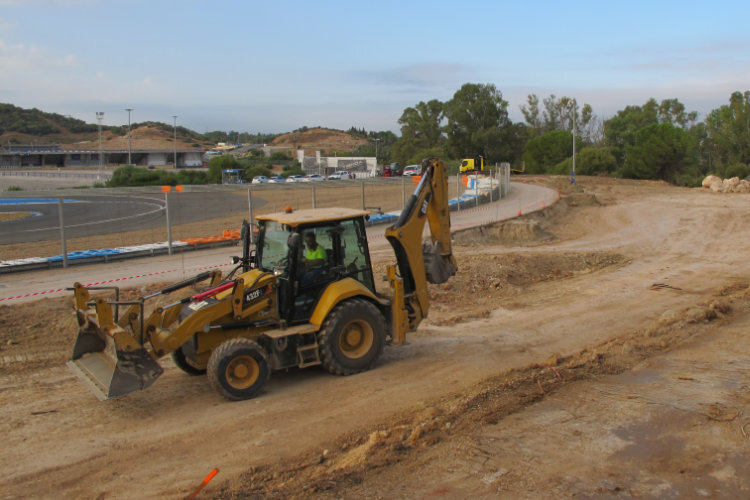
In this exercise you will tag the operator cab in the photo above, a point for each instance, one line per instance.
(281, 250)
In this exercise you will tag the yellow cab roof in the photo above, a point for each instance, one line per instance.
(313, 215)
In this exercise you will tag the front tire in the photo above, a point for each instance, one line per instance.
(352, 337)
(238, 369)
(185, 363)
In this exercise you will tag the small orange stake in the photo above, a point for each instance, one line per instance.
(202, 485)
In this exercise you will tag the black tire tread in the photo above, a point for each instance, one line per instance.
(183, 363)
(328, 356)
(225, 349)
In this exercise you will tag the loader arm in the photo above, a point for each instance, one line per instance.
(419, 263)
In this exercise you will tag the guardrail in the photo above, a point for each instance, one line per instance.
(58, 175)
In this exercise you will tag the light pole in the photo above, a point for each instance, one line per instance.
(575, 115)
(129, 150)
(99, 118)
(174, 117)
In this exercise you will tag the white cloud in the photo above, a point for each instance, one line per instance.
(19, 57)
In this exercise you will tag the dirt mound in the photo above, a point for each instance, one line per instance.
(322, 139)
(485, 282)
(537, 227)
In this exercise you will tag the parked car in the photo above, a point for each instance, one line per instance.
(313, 178)
(392, 170)
(276, 179)
(295, 178)
(340, 174)
(412, 170)
(260, 179)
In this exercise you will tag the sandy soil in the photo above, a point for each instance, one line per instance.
(598, 349)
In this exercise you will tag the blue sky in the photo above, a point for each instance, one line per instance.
(274, 66)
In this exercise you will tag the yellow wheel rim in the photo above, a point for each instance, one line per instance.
(242, 372)
(356, 339)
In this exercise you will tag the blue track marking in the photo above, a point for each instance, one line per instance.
(33, 201)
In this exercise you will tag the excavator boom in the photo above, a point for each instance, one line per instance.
(420, 262)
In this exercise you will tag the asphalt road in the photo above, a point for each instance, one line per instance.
(23, 287)
(89, 215)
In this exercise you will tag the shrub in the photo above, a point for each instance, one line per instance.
(15, 188)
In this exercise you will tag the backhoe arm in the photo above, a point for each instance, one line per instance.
(417, 262)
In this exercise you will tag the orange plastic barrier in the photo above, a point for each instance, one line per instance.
(225, 236)
(415, 179)
(166, 189)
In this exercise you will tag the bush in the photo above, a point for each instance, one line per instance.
(253, 172)
(737, 170)
(15, 188)
(279, 156)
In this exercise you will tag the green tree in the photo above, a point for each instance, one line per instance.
(543, 153)
(219, 163)
(728, 129)
(661, 151)
(420, 130)
(622, 130)
(252, 172)
(478, 123)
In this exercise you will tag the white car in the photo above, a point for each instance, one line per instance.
(276, 179)
(295, 178)
(412, 170)
(313, 178)
(340, 174)
(260, 179)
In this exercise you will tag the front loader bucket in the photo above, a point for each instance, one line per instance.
(111, 363)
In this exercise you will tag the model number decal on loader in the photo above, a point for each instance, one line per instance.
(257, 293)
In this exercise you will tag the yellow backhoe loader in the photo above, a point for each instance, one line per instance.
(277, 309)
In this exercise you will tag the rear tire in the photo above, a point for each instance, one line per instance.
(238, 369)
(185, 363)
(352, 337)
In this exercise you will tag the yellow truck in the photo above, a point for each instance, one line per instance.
(472, 165)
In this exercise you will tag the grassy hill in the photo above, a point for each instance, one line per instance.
(32, 126)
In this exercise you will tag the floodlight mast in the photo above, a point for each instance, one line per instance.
(129, 148)
(174, 118)
(99, 118)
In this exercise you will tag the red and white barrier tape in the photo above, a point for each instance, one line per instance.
(115, 280)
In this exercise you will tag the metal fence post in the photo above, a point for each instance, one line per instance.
(250, 206)
(458, 196)
(313, 198)
(169, 225)
(476, 187)
(363, 195)
(62, 232)
(403, 192)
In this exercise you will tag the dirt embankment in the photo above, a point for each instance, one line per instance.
(342, 466)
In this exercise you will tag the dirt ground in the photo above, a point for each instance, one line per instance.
(597, 349)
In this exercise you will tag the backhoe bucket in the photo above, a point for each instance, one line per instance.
(438, 268)
(110, 361)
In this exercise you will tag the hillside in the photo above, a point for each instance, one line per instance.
(323, 139)
(141, 137)
(32, 126)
